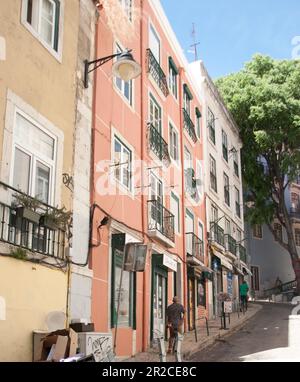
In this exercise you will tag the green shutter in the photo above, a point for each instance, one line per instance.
(198, 113)
(187, 91)
(173, 65)
(57, 16)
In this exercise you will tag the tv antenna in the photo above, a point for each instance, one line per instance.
(195, 44)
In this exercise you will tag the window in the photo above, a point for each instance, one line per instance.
(173, 73)
(278, 231)
(124, 87)
(123, 163)
(189, 174)
(211, 126)
(187, 98)
(127, 6)
(226, 190)
(154, 44)
(235, 162)
(239, 236)
(214, 213)
(201, 231)
(257, 231)
(175, 209)
(122, 294)
(155, 114)
(213, 173)
(225, 145)
(297, 237)
(174, 143)
(43, 17)
(199, 178)
(237, 203)
(227, 227)
(34, 160)
(255, 278)
(295, 201)
(198, 122)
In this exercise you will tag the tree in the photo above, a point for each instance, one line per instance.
(264, 99)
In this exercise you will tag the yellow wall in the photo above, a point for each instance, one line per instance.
(30, 291)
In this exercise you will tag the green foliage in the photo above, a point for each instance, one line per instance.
(58, 216)
(19, 253)
(264, 99)
(22, 200)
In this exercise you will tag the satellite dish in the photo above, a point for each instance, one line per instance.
(55, 321)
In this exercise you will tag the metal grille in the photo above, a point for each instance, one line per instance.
(189, 126)
(161, 219)
(158, 145)
(157, 73)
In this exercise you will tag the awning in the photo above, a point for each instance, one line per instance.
(238, 270)
(223, 259)
(174, 66)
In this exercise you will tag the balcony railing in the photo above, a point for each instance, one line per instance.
(243, 253)
(189, 126)
(158, 145)
(161, 220)
(194, 246)
(230, 244)
(157, 73)
(27, 228)
(295, 212)
(217, 234)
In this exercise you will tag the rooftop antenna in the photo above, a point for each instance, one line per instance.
(195, 44)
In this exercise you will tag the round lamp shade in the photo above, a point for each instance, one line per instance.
(126, 67)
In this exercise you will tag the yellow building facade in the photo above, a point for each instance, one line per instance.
(39, 42)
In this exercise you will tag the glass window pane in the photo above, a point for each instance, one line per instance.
(42, 182)
(21, 171)
(47, 21)
(122, 295)
(154, 44)
(117, 159)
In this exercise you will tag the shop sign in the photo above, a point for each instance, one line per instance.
(170, 263)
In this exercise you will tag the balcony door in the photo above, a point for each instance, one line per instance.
(156, 194)
(155, 114)
(189, 227)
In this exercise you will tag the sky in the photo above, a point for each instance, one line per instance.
(230, 32)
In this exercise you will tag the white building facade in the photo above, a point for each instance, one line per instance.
(223, 192)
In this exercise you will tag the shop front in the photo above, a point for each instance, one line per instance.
(162, 265)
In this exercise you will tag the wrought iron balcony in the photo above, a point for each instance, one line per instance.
(161, 220)
(243, 253)
(194, 247)
(158, 145)
(231, 245)
(217, 234)
(189, 126)
(157, 73)
(28, 228)
(295, 212)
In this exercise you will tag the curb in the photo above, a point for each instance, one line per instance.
(222, 334)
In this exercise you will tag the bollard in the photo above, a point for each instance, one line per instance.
(162, 349)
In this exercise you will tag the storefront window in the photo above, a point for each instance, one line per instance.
(201, 293)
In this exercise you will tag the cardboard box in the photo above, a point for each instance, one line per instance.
(59, 345)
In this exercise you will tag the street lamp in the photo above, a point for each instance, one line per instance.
(125, 67)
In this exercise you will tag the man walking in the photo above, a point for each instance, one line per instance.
(175, 314)
(243, 294)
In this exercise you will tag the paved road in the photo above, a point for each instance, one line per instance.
(264, 337)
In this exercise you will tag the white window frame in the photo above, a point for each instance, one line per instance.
(176, 198)
(152, 97)
(174, 128)
(56, 53)
(156, 34)
(128, 8)
(121, 91)
(173, 82)
(123, 142)
(254, 232)
(16, 105)
(200, 177)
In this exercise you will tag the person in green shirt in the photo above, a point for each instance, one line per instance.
(244, 293)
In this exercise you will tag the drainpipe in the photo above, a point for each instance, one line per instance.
(145, 326)
(185, 302)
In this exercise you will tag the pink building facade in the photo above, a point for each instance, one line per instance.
(148, 180)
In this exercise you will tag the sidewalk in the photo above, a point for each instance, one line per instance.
(190, 345)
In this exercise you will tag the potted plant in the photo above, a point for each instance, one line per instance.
(55, 218)
(26, 207)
